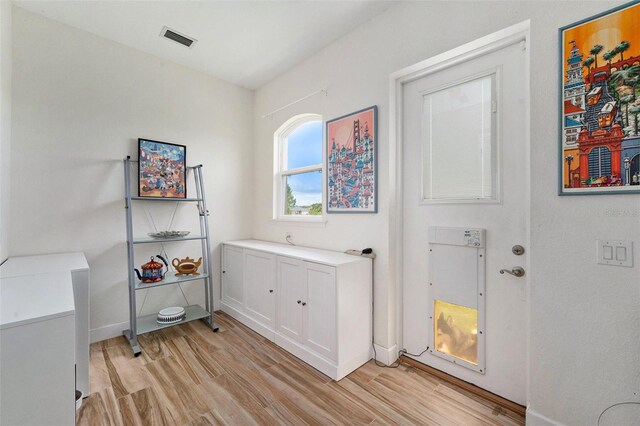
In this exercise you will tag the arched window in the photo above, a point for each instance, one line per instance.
(298, 169)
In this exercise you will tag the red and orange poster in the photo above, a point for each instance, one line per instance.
(600, 103)
(351, 162)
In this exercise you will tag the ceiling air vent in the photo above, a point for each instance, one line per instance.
(177, 37)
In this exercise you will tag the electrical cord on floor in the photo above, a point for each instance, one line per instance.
(397, 362)
(371, 255)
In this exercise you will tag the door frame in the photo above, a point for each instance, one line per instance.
(518, 33)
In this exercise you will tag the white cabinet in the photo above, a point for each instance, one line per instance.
(44, 338)
(319, 309)
(307, 304)
(37, 366)
(76, 264)
(314, 303)
(290, 294)
(260, 287)
(232, 276)
(249, 287)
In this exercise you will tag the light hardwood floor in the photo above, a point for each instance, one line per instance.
(188, 375)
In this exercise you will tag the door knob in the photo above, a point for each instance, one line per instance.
(517, 271)
(270, 291)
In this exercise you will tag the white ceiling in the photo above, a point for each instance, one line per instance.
(245, 42)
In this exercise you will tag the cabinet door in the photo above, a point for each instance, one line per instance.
(319, 309)
(260, 286)
(232, 277)
(290, 292)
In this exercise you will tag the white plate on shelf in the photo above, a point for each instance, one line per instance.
(169, 234)
(171, 315)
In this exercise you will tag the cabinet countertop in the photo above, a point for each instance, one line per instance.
(38, 264)
(37, 288)
(325, 257)
(31, 298)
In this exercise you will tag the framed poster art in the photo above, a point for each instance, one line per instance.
(352, 169)
(161, 169)
(599, 148)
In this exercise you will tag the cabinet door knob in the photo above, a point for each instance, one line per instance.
(224, 272)
(304, 303)
(299, 302)
(270, 291)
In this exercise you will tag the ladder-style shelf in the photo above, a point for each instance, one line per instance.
(167, 240)
(165, 199)
(171, 278)
(148, 323)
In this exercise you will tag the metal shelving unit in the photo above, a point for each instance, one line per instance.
(168, 240)
(147, 323)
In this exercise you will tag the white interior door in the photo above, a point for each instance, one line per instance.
(465, 164)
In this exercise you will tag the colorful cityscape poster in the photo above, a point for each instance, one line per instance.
(600, 103)
(351, 162)
(161, 169)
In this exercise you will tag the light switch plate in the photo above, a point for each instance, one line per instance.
(615, 252)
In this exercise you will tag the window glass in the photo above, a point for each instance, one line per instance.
(304, 194)
(459, 142)
(304, 145)
(298, 171)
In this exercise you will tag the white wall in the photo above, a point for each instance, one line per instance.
(584, 331)
(5, 126)
(79, 104)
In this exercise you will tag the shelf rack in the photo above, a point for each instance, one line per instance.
(146, 324)
(167, 240)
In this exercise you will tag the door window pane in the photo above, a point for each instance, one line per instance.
(458, 142)
(304, 194)
(304, 145)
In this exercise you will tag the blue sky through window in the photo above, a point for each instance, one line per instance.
(304, 148)
(304, 145)
(306, 188)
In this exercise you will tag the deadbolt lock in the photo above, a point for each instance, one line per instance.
(518, 250)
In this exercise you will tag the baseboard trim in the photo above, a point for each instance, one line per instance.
(387, 356)
(536, 419)
(107, 332)
(259, 328)
(319, 362)
(510, 405)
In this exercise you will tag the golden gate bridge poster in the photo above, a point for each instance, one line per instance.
(600, 103)
(351, 162)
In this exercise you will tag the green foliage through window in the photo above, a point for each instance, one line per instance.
(291, 200)
(315, 209)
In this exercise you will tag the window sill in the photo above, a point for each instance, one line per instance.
(315, 222)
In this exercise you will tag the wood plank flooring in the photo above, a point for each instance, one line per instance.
(188, 375)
